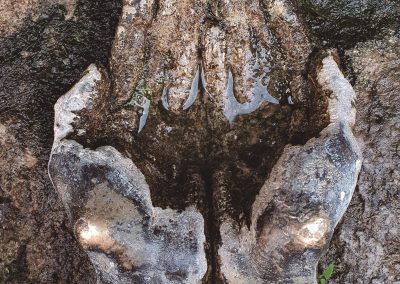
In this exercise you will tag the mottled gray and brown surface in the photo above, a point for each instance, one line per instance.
(195, 162)
(366, 245)
(42, 54)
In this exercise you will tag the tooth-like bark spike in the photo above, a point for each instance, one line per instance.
(145, 114)
(248, 51)
(233, 108)
(265, 96)
(193, 91)
(176, 65)
(164, 98)
(203, 80)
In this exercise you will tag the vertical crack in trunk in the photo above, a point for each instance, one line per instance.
(212, 236)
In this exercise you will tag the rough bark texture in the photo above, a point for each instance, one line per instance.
(366, 245)
(206, 178)
(41, 57)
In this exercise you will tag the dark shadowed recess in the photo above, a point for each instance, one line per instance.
(43, 60)
(345, 23)
(38, 64)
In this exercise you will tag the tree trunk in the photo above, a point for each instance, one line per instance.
(199, 141)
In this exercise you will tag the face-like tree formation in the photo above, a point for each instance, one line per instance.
(190, 175)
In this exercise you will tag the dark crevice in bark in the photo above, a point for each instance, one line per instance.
(213, 237)
(155, 9)
(343, 24)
